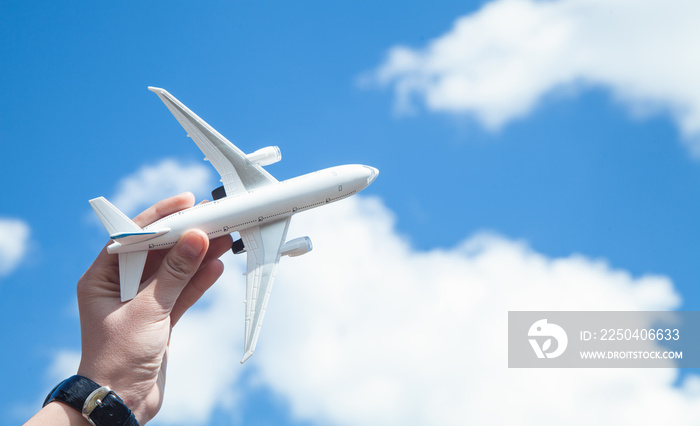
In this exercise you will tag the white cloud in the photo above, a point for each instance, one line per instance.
(368, 330)
(14, 241)
(152, 183)
(65, 363)
(499, 62)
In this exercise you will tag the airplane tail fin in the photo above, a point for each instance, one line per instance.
(112, 218)
(121, 228)
(124, 230)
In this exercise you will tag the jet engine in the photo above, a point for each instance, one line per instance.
(218, 193)
(265, 156)
(297, 247)
(238, 247)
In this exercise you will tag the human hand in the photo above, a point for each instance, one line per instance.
(125, 345)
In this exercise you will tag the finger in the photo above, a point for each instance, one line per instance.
(217, 247)
(198, 285)
(165, 208)
(156, 212)
(155, 259)
(177, 268)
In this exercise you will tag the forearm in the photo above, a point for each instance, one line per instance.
(57, 414)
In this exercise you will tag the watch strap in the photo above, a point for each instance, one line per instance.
(98, 404)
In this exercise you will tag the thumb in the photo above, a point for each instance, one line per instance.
(178, 267)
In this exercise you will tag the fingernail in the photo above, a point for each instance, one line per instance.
(192, 244)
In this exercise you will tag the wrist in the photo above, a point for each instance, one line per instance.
(125, 388)
(97, 405)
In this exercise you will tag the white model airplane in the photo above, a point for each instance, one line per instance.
(251, 202)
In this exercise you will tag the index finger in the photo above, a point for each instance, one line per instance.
(165, 208)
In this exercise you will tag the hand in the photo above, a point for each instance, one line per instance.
(125, 345)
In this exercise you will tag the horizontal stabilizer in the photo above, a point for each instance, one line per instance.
(125, 238)
(130, 270)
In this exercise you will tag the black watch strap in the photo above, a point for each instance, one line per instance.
(98, 404)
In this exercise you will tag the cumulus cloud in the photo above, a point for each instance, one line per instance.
(368, 330)
(499, 62)
(14, 241)
(155, 182)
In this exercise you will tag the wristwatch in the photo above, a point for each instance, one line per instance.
(98, 404)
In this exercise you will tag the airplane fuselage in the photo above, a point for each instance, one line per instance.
(253, 208)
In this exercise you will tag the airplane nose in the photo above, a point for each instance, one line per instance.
(373, 173)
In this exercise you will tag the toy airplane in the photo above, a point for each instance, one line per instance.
(251, 202)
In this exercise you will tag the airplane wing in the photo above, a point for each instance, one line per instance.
(262, 245)
(238, 174)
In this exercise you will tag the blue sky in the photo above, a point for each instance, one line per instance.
(545, 149)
